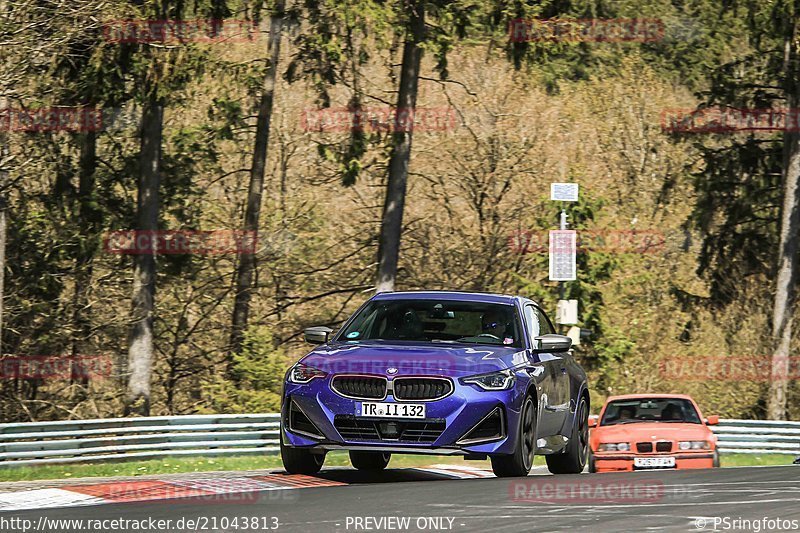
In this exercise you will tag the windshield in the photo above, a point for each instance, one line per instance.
(435, 321)
(650, 410)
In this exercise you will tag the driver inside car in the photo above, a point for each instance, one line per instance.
(626, 413)
(493, 324)
(402, 324)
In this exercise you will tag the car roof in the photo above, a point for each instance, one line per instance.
(644, 395)
(452, 296)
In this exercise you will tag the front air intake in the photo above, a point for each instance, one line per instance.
(300, 423)
(491, 427)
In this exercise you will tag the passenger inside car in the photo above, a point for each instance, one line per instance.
(672, 412)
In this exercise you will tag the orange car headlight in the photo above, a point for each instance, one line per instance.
(614, 447)
(694, 445)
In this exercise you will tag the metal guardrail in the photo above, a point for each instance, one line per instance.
(757, 436)
(110, 439)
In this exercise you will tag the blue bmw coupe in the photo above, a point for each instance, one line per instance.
(440, 373)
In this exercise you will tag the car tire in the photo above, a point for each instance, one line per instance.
(369, 460)
(301, 460)
(519, 463)
(715, 461)
(592, 465)
(573, 459)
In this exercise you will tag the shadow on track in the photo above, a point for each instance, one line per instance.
(390, 475)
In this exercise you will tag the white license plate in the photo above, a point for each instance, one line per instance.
(654, 462)
(391, 410)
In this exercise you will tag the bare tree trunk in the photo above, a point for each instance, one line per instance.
(4, 153)
(247, 261)
(3, 227)
(89, 224)
(786, 279)
(140, 350)
(394, 204)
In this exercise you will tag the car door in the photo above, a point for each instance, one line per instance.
(561, 361)
(542, 369)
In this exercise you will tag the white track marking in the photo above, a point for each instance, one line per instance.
(46, 499)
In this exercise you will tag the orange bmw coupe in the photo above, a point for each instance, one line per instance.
(651, 431)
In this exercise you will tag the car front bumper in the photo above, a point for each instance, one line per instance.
(616, 462)
(460, 412)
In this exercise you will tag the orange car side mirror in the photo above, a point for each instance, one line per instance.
(593, 420)
(712, 420)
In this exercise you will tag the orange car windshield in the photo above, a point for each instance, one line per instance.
(650, 410)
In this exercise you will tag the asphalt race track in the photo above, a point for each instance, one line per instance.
(417, 500)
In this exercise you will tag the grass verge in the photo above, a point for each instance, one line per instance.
(747, 459)
(260, 462)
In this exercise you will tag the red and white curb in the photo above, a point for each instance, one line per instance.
(231, 490)
(470, 472)
(458, 471)
(45, 499)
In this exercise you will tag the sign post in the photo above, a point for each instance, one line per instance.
(563, 258)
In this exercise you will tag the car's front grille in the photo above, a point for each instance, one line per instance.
(660, 447)
(644, 447)
(421, 388)
(413, 431)
(364, 387)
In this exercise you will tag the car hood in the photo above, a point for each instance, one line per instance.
(416, 359)
(652, 431)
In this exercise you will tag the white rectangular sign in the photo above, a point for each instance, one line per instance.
(563, 265)
(564, 192)
(567, 312)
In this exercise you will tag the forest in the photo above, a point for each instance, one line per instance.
(307, 153)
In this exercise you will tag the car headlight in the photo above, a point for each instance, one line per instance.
(500, 380)
(614, 447)
(694, 445)
(301, 373)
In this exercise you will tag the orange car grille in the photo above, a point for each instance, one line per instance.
(660, 447)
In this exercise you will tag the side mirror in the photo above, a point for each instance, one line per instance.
(553, 343)
(712, 420)
(593, 420)
(317, 334)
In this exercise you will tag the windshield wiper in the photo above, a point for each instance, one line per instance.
(478, 342)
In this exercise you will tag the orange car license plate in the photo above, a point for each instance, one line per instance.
(654, 462)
